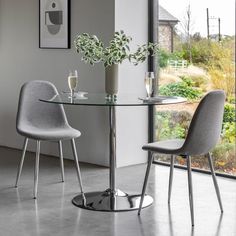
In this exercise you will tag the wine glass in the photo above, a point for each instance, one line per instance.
(73, 82)
(149, 83)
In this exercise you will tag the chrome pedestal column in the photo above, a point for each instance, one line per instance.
(111, 199)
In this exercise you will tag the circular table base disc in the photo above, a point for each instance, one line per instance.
(105, 201)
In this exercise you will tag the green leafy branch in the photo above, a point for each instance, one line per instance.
(118, 50)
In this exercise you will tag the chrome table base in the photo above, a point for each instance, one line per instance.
(112, 199)
(111, 202)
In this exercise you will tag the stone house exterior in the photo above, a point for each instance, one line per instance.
(167, 23)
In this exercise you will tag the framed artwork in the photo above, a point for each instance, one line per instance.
(54, 23)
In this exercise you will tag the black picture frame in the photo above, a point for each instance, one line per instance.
(54, 24)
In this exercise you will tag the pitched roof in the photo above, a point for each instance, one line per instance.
(164, 15)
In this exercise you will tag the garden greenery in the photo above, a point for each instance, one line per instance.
(229, 113)
(164, 57)
(183, 89)
(118, 50)
(218, 60)
(229, 125)
(172, 124)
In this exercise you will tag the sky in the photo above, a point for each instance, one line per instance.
(223, 9)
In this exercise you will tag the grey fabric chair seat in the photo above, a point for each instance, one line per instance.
(42, 121)
(172, 146)
(49, 133)
(203, 134)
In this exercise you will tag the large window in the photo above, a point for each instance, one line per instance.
(192, 64)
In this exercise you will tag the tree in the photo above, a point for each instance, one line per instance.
(187, 25)
(197, 37)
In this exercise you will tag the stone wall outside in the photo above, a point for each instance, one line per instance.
(165, 37)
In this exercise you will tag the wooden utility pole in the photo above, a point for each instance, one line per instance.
(208, 33)
(219, 36)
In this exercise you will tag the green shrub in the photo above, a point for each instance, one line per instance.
(200, 52)
(182, 89)
(231, 99)
(229, 113)
(224, 157)
(200, 82)
(195, 81)
(171, 124)
(229, 125)
(174, 124)
(170, 131)
(187, 80)
(176, 132)
(208, 53)
(220, 149)
(229, 132)
(163, 58)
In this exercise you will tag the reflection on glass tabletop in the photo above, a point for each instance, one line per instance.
(100, 99)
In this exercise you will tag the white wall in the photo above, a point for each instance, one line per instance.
(21, 60)
(132, 122)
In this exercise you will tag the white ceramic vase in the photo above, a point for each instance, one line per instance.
(111, 79)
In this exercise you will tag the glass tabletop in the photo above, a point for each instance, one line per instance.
(99, 99)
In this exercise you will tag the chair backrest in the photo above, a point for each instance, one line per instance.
(32, 112)
(205, 127)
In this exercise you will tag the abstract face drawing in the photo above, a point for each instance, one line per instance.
(53, 16)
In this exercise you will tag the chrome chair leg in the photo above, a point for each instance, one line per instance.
(190, 188)
(21, 162)
(145, 182)
(61, 161)
(77, 165)
(215, 181)
(36, 170)
(171, 176)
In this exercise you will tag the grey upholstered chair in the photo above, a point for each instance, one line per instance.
(204, 132)
(42, 121)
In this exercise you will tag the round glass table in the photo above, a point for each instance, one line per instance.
(111, 199)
